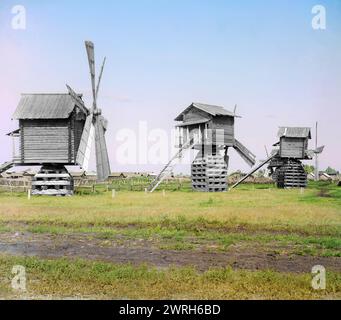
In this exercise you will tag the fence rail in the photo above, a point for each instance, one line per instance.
(15, 185)
(83, 185)
(130, 184)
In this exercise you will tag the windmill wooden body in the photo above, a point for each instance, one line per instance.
(286, 167)
(209, 129)
(285, 161)
(56, 130)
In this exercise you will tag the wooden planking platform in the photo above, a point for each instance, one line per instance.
(209, 173)
(291, 175)
(53, 180)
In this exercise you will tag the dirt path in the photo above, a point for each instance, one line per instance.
(144, 251)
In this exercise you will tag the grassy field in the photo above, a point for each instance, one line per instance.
(253, 242)
(80, 279)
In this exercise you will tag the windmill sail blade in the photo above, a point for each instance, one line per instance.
(100, 77)
(91, 58)
(84, 150)
(79, 102)
(319, 150)
(102, 159)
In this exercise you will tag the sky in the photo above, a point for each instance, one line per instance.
(263, 56)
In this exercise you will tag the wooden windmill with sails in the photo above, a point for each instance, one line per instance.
(57, 130)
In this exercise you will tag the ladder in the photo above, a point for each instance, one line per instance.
(245, 153)
(168, 169)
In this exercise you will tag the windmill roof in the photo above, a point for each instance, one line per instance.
(45, 106)
(210, 109)
(294, 132)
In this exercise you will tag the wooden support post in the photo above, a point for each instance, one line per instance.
(113, 193)
(93, 188)
(145, 190)
(29, 194)
(317, 173)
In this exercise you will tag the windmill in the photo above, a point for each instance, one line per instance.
(285, 162)
(57, 130)
(210, 130)
(95, 124)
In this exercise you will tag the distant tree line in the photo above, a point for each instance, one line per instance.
(311, 169)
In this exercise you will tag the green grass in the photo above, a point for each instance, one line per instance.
(179, 246)
(306, 223)
(62, 278)
(254, 209)
(4, 228)
(249, 214)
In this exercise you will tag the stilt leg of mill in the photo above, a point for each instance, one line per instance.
(291, 175)
(209, 172)
(52, 180)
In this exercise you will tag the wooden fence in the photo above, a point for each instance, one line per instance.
(84, 185)
(130, 184)
(15, 185)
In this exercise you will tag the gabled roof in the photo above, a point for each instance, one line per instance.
(45, 106)
(209, 109)
(294, 132)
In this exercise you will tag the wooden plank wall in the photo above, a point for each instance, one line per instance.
(292, 147)
(21, 148)
(45, 141)
(223, 127)
(78, 130)
(220, 128)
(71, 142)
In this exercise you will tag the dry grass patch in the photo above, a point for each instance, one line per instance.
(61, 278)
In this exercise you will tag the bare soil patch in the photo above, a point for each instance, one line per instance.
(142, 251)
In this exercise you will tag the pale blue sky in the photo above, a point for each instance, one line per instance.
(263, 56)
